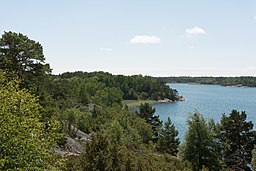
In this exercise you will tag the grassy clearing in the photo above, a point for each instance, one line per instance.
(136, 103)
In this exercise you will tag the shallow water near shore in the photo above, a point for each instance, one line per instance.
(212, 101)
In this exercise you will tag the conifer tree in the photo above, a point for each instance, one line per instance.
(168, 141)
(146, 111)
(238, 139)
(24, 57)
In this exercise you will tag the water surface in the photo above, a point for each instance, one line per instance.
(210, 100)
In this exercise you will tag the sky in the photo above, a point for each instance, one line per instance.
(148, 37)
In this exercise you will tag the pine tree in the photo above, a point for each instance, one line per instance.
(146, 111)
(24, 57)
(97, 155)
(168, 141)
(238, 139)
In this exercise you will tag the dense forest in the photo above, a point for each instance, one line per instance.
(132, 87)
(224, 81)
(41, 113)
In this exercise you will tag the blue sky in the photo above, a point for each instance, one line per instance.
(149, 37)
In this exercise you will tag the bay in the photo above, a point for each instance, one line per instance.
(212, 101)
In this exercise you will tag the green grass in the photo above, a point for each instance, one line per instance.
(136, 103)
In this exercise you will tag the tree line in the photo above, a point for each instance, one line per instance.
(223, 81)
(38, 109)
(132, 87)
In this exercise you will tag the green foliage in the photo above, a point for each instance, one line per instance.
(91, 102)
(24, 57)
(71, 118)
(108, 97)
(97, 155)
(104, 154)
(25, 142)
(143, 129)
(146, 111)
(168, 141)
(132, 87)
(254, 158)
(238, 139)
(199, 147)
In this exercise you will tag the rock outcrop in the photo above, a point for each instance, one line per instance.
(180, 98)
(70, 148)
(166, 100)
(80, 135)
(73, 146)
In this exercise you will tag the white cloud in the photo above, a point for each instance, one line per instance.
(254, 17)
(143, 39)
(106, 49)
(195, 30)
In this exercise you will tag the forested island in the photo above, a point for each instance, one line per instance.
(79, 121)
(223, 81)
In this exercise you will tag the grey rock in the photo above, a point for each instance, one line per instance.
(70, 148)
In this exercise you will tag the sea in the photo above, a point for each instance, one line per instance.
(212, 101)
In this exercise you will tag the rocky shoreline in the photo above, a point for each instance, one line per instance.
(166, 100)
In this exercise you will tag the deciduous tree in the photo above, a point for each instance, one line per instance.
(200, 148)
(24, 142)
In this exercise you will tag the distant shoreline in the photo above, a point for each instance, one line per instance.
(245, 81)
(237, 86)
(136, 103)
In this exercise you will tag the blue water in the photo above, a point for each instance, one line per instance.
(212, 101)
